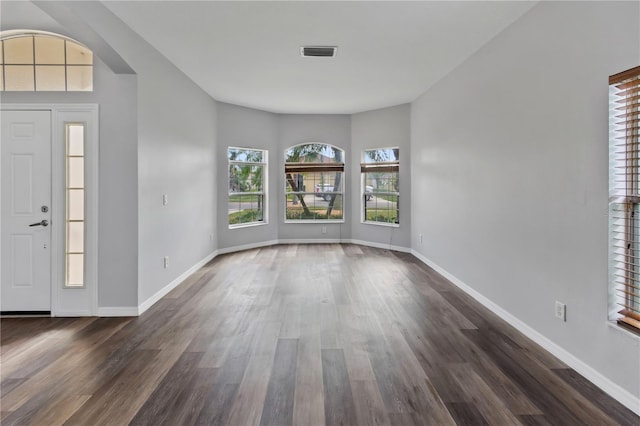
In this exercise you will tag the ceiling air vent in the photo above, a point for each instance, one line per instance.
(318, 51)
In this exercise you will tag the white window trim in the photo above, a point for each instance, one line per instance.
(265, 186)
(387, 224)
(343, 193)
(363, 219)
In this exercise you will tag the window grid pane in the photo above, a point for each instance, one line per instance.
(75, 233)
(19, 51)
(75, 270)
(49, 50)
(78, 55)
(19, 78)
(75, 206)
(79, 78)
(243, 155)
(246, 208)
(50, 78)
(75, 143)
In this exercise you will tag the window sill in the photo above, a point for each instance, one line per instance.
(625, 331)
(390, 225)
(247, 225)
(318, 222)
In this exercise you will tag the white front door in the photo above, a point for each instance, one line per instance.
(26, 211)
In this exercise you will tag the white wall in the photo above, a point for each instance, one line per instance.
(330, 129)
(387, 127)
(247, 128)
(509, 175)
(117, 197)
(176, 156)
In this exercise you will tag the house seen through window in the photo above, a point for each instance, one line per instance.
(314, 183)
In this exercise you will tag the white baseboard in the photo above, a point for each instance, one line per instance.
(623, 396)
(247, 247)
(173, 284)
(73, 314)
(380, 245)
(311, 241)
(118, 311)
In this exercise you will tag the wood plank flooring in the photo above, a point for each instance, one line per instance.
(300, 334)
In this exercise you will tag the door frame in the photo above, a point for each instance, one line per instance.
(71, 301)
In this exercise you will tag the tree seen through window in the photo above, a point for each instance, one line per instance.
(314, 183)
(246, 186)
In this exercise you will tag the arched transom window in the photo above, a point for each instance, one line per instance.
(41, 61)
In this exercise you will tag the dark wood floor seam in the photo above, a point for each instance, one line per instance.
(334, 334)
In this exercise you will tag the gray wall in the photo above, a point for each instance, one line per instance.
(247, 128)
(176, 156)
(387, 127)
(297, 129)
(157, 136)
(117, 198)
(509, 174)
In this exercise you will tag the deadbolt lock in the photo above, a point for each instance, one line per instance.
(44, 209)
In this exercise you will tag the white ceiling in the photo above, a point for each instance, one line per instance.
(247, 53)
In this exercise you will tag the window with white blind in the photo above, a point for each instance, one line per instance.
(624, 197)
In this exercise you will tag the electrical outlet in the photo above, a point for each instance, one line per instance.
(166, 262)
(211, 236)
(420, 238)
(561, 311)
(165, 199)
(324, 229)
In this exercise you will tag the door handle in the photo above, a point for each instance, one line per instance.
(43, 222)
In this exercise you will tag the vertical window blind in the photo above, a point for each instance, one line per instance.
(624, 196)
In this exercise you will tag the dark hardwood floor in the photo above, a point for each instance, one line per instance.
(298, 334)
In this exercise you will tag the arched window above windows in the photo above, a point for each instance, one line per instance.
(42, 61)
